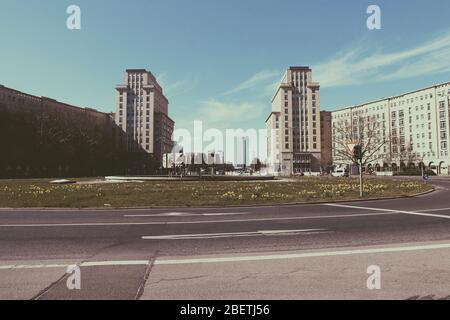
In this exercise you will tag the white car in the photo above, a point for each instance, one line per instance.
(339, 173)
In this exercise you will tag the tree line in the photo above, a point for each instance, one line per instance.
(49, 143)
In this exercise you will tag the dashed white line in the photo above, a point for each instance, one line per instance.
(106, 224)
(226, 214)
(233, 234)
(115, 263)
(181, 214)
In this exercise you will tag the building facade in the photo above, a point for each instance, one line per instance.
(142, 112)
(413, 129)
(326, 158)
(42, 137)
(294, 137)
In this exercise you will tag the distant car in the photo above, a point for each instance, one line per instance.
(339, 173)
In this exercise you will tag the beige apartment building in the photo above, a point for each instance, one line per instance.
(294, 129)
(142, 112)
(326, 136)
(413, 128)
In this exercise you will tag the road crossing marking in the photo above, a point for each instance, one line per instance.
(415, 213)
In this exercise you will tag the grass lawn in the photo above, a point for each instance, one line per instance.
(39, 193)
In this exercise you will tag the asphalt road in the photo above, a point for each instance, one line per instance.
(280, 252)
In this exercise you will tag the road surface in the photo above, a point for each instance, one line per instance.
(279, 252)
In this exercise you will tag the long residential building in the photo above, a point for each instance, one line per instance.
(294, 141)
(142, 112)
(412, 130)
(42, 137)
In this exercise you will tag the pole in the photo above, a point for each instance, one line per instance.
(361, 192)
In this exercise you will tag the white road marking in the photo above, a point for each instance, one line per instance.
(226, 214)
(232, 259)
(84, 264)
(115, 263)
(106, 224)
(390, 210)
(175, 214)
(433, 210)
(165, 214)
(301, 255)
(231, 234)
(35, 266)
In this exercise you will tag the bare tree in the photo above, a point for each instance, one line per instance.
(367, 132)
(407, 156)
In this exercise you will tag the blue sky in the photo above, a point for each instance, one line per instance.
(219, 60)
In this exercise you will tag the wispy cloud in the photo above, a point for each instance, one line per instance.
(255, 81)
(219, 114)
(162, 79)
(360, 65)
(176, 88)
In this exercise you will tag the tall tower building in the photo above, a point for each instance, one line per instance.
(142, 112)
(294, 142)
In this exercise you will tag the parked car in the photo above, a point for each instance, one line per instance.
(339, 173)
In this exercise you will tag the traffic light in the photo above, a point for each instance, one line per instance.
(357, 152)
